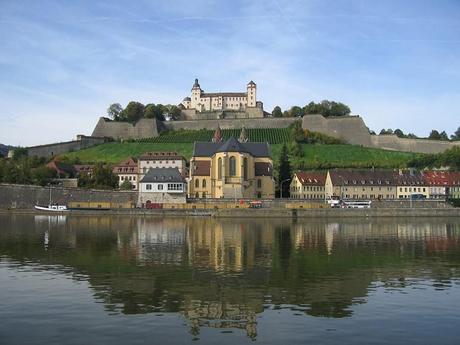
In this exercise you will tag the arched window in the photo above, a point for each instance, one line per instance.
(204, 194)
(197, 183)
(232, 171)
(219, 169)
(203, 184)
(245, 168)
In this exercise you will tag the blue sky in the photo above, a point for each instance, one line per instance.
(395, 63)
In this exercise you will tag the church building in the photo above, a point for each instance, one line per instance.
(231, 169)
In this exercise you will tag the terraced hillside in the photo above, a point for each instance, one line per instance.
(269, 135)
(314, 156)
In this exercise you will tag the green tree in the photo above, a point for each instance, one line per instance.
(295, 111)
(114, 111)
(456, 135)
(133, 112)
(444, 136)
(284, 171)
(173, 111)
(327, 108)
(399, 133)
(126, 185)
(103, 177)
(298, 133)
(154, 111)
(43, 175)
(19, 153)
(435, 135)
(277, 112)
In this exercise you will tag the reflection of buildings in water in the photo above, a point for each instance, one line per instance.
(156, 240)
(220, 315)
(223, 245)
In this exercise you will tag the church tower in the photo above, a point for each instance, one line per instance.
(196, 95)
(252, 89)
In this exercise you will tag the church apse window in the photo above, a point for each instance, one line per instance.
(232, 171)
(219, 168)
(245, 168)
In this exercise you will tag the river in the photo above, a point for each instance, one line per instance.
(146, 280)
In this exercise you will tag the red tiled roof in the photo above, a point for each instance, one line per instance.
(127, 167)
(311, 178)
(442, 178)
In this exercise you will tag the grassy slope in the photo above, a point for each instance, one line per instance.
(326, 155)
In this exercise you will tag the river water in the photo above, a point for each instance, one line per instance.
(142, 280)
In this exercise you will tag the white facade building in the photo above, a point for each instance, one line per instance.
(162, 185)
(158, 160)
(220, 101)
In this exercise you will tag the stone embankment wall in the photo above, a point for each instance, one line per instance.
(192, 114)
(48, 150)
(144, 128)
(25, 197)
(353, 130)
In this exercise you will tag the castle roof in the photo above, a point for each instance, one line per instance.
(224, 94)
(251, 83)
(196, 84)
(206, 149)
(186, 99)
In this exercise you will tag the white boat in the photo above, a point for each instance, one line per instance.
(52, 208)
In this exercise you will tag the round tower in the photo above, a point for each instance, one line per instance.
(196, 95)
(252, 96)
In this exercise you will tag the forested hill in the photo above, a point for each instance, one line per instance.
(4, 150)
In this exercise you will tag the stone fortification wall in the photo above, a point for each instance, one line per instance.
(25, 197)
(48, 150)
(249, 113)
(353, 130)
(392, 142)
(230, 123)
(144, 128)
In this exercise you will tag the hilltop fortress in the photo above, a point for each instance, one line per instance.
(235, 110)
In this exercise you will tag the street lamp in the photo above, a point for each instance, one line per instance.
(281, 187)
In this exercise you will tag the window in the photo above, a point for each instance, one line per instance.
(245, 168)
(204, 195)
(203, 184)
(197, 183)
(148, 187)
(160, 187)
(232, 171)
(219, 168)
(259, 183)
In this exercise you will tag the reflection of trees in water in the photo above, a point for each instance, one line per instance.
(222, 273)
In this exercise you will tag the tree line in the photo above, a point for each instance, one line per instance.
(434, 134)
(135, 111)
(447, 159)
(325, 108)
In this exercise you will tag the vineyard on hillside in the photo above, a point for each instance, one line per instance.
(269, 135)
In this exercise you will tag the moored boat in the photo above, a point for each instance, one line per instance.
(52, 208)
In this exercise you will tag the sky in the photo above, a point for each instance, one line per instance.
(62, 63)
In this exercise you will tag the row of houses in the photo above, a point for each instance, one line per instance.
(232, 169)
(375, 184)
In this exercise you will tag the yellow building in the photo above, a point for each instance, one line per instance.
(360, 184)
(411, 183)
(308, 185)
(232, 170)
